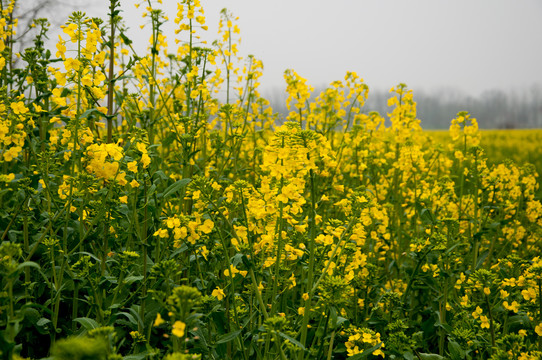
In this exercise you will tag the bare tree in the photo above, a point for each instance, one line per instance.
(26, 11)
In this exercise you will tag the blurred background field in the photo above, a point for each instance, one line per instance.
(519, 145)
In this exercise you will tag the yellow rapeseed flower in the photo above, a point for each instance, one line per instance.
(19, 108)
(158, 321)
(178, 328)
(218, 293)
(485, 322)
(132, 166)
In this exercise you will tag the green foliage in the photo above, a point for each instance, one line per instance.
(80, 348)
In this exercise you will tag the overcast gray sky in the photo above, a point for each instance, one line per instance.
(469, 45)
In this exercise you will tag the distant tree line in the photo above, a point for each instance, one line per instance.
(495, 109)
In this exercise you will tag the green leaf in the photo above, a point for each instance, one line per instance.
(87, 323)
(90, 111)
(427, 216)
(169, 139)
(161, 175)
(42, 322)
(341, 321)
(228, 337)
(139, 356)
(481, 259)
(456, 352)
(292, 340)
(131, 279)
(130, 317)
(126, 41)
(151, 190)
(134, 310)
(36, 266)
(518, 320)
(30, 314)
(424, 356)
(28, 264)
(175, 187)
(366, 352)
(43, 327)
(333, 317)
(446, 327)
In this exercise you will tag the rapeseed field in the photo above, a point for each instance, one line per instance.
(143, 218)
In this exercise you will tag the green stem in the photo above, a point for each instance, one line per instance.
(110, 86)
(279, 347)
(226, 266)
(279, 245)
(119, 286)
(26, 249)
(330, 349)
(75, 303)
(539, 309)
(144, 244)
(312, 251)
(491, 327)
(258, 294)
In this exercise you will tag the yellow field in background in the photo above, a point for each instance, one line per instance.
(520, 146)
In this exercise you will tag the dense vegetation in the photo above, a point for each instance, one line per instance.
(143, 218)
